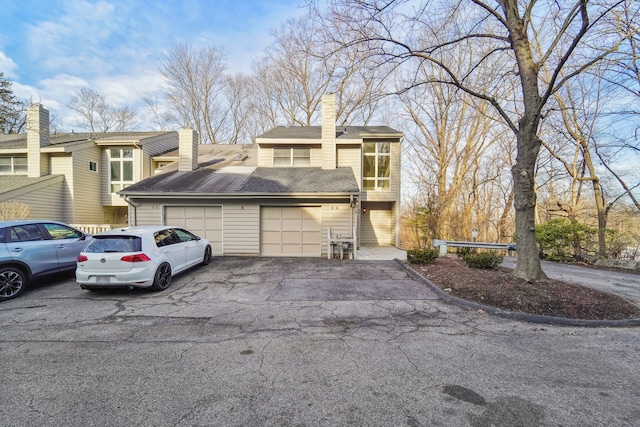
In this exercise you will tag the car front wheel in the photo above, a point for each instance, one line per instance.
(207, 256)
(12, 282)
(162, 279)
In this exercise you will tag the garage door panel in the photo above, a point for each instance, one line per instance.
(203, 221)
(311, 237)
(291, 224)
(291, 231)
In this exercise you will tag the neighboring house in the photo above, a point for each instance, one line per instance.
(75, 177)
(283, 195)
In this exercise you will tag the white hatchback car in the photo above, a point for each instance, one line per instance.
(140, 257)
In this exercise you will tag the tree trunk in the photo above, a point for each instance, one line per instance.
(523, 172)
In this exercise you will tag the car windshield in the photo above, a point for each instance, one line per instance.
(103, 244)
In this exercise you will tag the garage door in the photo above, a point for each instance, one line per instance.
(204, 221)
(376, 228)
(290, 231)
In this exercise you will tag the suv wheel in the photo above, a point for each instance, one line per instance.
(12, 282)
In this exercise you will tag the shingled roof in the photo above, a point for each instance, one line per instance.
(19, 141)
(248, 180)
(342, 132)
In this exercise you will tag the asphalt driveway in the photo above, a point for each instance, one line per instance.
(305, 342)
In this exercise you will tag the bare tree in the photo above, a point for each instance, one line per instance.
(97, 115)
(195, 89)
(296, 71)
(487, 32)
(449, 137)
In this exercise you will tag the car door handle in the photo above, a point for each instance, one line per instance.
(17, 249)
(60, 246)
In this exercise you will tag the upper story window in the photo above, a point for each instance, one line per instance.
(121, 165)
(292, 156)
(93, 166)
(376, 166)
(13, 165)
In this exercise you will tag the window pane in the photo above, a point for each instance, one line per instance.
(127, 171)
(368, 166)
(115, 188)
(383, 184)
(115, 171)
(127, 153)
(369, 147)
(5, 164)
(369, 184)
(282, 161)
(115, 153)
(20, 165)
(383, 166)
(384, 147)
(302, 156)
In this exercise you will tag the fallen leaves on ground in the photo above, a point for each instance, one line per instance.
(500, 288)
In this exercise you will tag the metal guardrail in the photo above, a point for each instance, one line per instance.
(444, 244)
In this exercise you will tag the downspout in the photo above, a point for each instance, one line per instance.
(135, 211)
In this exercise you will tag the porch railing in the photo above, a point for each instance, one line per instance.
(96, 228)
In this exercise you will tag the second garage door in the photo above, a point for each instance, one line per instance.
(291, 231)
(204, 221)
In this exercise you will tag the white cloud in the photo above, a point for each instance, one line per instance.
(7, 66)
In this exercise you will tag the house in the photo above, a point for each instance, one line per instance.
(290, 194)
(75, 177)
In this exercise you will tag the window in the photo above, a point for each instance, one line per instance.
(93, 166)
(121, 163)
(58, 232)
(26, 233)
(13, 165)
(376, 166)
(290, 156)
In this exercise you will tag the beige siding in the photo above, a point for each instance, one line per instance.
(146, 213)
(62, 164)
(86, 187)
(241, 229)
(351, 156)
(44, 200)
(336, 217)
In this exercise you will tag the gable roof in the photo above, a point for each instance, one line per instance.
(19, 141)
(246, 181)
(342, 132)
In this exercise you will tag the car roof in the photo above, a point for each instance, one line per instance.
(13, 223)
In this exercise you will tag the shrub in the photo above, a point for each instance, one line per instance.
(14, 210)
(463, 251)
(482, 260)
(561, 239)
(422, 256)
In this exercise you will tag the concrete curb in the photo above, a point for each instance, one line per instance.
(526, 317)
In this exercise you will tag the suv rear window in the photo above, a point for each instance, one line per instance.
(103, 244)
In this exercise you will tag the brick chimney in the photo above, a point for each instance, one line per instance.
(37, 137)
(187, 150)
(329, 131)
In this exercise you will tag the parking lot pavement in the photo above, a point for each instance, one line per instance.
(264, 341)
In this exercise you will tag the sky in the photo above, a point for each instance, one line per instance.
(49, 49)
